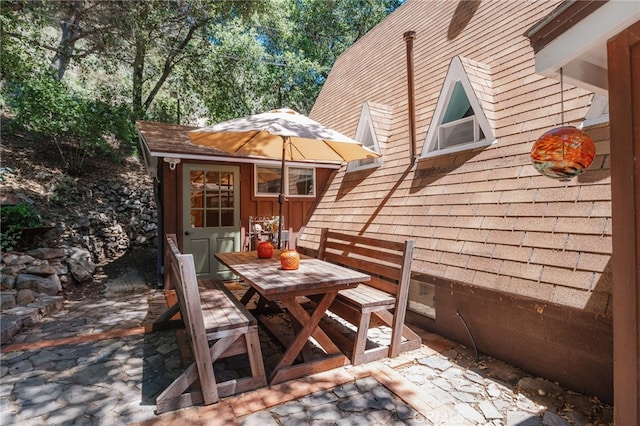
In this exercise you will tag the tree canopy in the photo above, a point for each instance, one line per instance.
(200, 60)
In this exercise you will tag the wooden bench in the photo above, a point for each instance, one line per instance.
(383, 300)
(218, 326)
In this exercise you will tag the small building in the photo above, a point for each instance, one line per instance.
(206, 197)
(507, 260)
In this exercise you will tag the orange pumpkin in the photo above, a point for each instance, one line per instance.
(265, 250)
(289, 259)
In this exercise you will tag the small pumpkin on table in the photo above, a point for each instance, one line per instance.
(289, 259)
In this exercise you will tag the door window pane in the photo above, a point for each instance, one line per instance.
(211, 199)
(197, 199)
(226, 218)
(212, 218)
(196, 219)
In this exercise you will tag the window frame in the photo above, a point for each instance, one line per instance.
(258, 194)
(365, 124)
(598, 112)
(431, 148)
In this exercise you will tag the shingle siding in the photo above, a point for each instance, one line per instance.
(483, 217)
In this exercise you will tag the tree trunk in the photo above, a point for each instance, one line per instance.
(138, 75)
(68, 25)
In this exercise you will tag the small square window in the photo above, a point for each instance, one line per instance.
(422, 298)
(301, 181)
(268, 180)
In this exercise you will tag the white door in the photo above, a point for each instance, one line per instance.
(211, 221)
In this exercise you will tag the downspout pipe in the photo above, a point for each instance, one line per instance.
(409, 36)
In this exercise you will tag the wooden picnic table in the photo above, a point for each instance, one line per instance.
(314, 277)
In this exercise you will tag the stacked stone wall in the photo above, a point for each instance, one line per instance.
(107, 218)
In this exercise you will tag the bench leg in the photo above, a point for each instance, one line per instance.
(176, 395)
(261, 305)
(255, 355)
(361, 338)
(164, 321)
(398, 332)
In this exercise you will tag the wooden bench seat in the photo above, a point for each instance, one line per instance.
(383, 300)
(218, 327)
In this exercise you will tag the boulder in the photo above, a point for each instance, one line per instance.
(21, 259)
(7, 281)
(47, 253)
(80, 273)
(25, 296)
(7, 300)
(42, 269)
(36, 283)
(80, 256)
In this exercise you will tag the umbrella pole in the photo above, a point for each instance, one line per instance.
(281, 195)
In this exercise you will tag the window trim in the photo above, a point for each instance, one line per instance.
(366, 124)
(287, 167)
(456, 74)
(598, 112)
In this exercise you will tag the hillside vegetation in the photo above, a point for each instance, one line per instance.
(108, 210)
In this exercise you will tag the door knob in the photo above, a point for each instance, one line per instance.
(187, 233)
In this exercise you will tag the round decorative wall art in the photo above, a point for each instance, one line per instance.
(563, 153)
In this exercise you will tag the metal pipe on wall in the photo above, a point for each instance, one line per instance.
(409, 36)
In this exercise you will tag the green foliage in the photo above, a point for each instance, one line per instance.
(13, 220)
(280, 58)
(63, 185)
(80, 127)
(109, 62)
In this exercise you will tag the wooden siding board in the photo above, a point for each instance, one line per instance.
(560, 258)
(484, 265)
(521, 255)
(545, 240)
(491, 197)
(509, 237)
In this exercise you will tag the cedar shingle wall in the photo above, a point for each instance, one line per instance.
(486, 217)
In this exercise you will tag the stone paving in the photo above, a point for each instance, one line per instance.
(96, 362)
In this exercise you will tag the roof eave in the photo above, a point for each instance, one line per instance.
(574, 37)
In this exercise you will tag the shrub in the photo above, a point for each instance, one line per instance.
(80, 127)
(13, 220)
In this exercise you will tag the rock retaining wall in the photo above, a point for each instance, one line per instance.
(117, 215)
(31, 283)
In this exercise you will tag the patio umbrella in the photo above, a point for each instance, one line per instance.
(281, 134)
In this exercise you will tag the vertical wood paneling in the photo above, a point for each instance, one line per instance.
(624, 107)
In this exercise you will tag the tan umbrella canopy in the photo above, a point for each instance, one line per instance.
(281, 134)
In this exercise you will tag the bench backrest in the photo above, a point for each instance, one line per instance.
(182, 272)
(388, 262)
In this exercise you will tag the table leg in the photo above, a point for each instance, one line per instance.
(284, 370)
(247, 296)
(262, 304)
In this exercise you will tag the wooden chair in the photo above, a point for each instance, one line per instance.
(218, 326)
(260, 228)
(383, 300)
